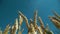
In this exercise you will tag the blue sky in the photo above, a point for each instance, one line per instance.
(9, 11)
